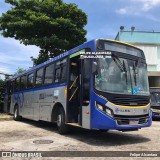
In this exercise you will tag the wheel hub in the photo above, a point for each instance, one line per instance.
(15, 113)
(59, 119)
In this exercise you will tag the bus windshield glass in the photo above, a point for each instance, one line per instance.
(155, 96)
(122, 76)
(109, 46)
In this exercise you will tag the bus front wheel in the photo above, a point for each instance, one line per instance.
(16, 117)
(62, 127)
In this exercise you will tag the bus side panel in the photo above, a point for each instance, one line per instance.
(5, 109)
(15, 99)
(86, 116)
(37, 104)
(12, 104)
(47, 99)
(26, 110)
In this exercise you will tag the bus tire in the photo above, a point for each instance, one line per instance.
(16, 116)
(62, 127)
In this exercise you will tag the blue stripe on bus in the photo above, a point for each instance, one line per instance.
(43, 87)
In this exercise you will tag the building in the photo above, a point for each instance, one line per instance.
(149, 42)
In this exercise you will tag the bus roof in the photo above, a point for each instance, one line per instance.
(89, 44)
(123, 43)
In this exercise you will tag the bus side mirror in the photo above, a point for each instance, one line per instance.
(94, 67)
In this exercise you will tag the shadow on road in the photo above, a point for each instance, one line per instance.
(95, 137)
(156, 119)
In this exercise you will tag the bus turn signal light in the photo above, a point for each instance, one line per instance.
(87, 112)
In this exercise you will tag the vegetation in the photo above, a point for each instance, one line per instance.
(2, 89)
(19, 70)
(52, 25)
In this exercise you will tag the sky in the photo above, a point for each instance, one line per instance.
(104, 20)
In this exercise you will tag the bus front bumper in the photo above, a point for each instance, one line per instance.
(102, 121)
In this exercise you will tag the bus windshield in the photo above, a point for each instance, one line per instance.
(155, 97)
(122, 76)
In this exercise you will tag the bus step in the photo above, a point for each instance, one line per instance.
(74, 124)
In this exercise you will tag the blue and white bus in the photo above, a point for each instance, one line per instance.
(105, 93)
(155, 102)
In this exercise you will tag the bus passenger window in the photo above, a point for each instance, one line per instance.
(57, 75)
(17, 84)
(11, 88)
(30, 81)
(48, 79)
(39, 77)
(23, 82)
(63, 73)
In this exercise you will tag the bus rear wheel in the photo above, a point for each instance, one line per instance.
(62, 127)
(16, 116)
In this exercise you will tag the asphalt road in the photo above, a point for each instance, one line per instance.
(41, 136)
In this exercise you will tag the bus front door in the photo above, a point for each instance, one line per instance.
(85, 93)
(79, 91)
(73, 98)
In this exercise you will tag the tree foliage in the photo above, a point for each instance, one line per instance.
(52, 25)
(19, 70)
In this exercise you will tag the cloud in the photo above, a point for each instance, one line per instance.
(129, 10)
(136, 7)
(148, 4)
(4, 69)
(122, 11)
(153, 18)
(14, 55)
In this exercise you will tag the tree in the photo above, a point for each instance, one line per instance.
(52, 25)
(19, 70)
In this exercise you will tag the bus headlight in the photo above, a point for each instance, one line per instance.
(105, 109)
(100, 107)
(108, 111)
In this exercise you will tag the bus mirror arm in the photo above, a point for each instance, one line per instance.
(94, 67)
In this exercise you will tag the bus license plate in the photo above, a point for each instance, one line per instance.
(133, 122)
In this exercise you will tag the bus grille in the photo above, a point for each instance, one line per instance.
(143, 120)
(130, 101)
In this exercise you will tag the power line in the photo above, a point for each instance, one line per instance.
(6, 74)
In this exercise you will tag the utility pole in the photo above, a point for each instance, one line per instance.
(5, 74)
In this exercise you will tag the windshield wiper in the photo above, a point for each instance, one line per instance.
(135, 74)
(124, 66)
(118, 62)
(120, 65)
(135, 66)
